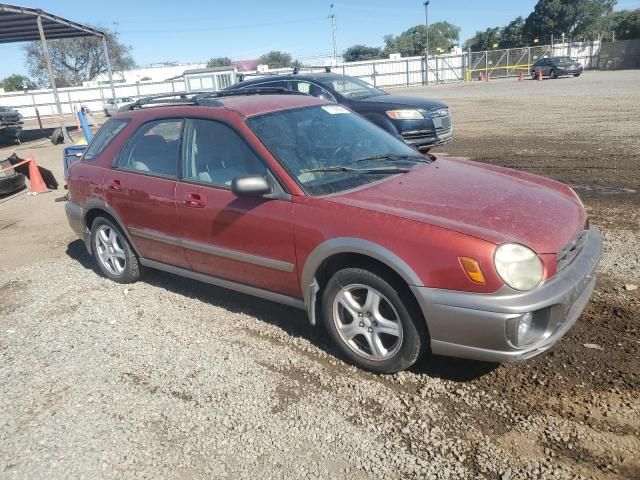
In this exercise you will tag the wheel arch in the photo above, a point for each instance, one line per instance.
(94, 209)
(333, 254)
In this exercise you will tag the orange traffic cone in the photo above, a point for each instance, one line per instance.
(36, 183)
(540, 75)
(521, 76)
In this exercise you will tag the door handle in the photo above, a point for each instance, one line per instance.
(195, 200)
(115, 185)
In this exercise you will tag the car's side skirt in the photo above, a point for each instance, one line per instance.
(224, 283)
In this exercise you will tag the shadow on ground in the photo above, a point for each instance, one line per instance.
(292, 321)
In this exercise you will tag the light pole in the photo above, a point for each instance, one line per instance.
(332, 16)
(426, 23)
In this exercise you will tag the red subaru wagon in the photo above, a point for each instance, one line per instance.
(303, 202)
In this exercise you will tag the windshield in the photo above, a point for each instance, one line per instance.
(352, 88)
(329, 149)
(564, 59)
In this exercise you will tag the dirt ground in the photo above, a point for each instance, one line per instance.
(573, 412)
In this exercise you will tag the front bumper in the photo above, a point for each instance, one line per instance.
(472, 325)
(569, 71)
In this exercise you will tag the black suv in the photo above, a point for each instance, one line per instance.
(420, 122)
(556, 66)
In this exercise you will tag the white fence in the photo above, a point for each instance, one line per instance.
(382, 73)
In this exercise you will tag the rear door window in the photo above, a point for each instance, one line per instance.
(154, 149)
(103, 138)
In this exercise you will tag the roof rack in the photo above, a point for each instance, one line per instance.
(201, 98)
(292, 71)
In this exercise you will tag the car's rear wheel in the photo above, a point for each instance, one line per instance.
(106, 113)
(576, 74)
(112, 252)
(374, 322)
(533, 75)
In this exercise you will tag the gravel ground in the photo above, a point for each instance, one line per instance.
(169, 378)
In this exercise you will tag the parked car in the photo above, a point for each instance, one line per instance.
(420, 122)
(556, 66)
(111, 105)
(298, 200)
(10, 124)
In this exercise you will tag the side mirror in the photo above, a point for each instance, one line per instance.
(252, 186)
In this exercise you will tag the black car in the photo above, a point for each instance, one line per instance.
(418, 121)
(10, 124)
(556, 66)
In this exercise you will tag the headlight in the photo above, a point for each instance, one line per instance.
(405, 114)
(518, 266)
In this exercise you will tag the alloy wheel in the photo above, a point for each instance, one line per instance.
(367, 322)
(109, 247)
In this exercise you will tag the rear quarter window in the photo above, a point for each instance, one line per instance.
(105, 135)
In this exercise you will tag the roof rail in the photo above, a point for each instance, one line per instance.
(177, 98)
(197, 98)
(292, 71)
(246, 91)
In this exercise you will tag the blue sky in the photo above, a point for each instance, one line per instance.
(193, 31)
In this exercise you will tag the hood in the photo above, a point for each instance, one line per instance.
(401, 101)
(492, 203)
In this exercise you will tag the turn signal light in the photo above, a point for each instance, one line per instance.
(472, 269)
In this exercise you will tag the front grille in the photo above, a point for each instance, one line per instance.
(417, 134)
(441, 120)
(571, 251)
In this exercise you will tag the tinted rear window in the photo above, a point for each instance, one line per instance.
(105, 135)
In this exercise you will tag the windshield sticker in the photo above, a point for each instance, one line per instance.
(335, 109)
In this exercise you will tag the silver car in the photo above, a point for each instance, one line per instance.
(111, 105)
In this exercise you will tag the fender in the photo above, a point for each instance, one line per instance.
(309, 285)
(94, 203)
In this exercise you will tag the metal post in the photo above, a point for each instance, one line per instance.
(407, 69)
(47, 59)
(426, 23)
(333, 35)
(106, 56)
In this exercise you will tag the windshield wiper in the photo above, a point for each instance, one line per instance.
(396, 158)
(342, 168)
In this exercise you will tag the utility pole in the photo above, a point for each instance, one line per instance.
(426, 22)
(332, 16)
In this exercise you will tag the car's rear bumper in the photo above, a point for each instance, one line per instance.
(75, 216)
(472, 325)
(569, 71)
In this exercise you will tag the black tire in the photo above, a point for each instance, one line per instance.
(553, 74)
(130, 272)
(106, 113)
(533, 75)
(576, 75)
(415, 338)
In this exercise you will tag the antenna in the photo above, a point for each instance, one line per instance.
(332, 16)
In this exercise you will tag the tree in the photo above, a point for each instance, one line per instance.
(625, 24)
(575, 18)
(276, 59)
(75, 60)
(357, 53)
(17, 83)
(511, 35)
(484, 40)
(218, 62)
(413, 42)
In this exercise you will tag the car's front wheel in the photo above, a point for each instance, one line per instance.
(106, 113)
(373, 322)
(553, 74)
(112, 252)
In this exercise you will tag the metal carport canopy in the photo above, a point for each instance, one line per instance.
(23, 24)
